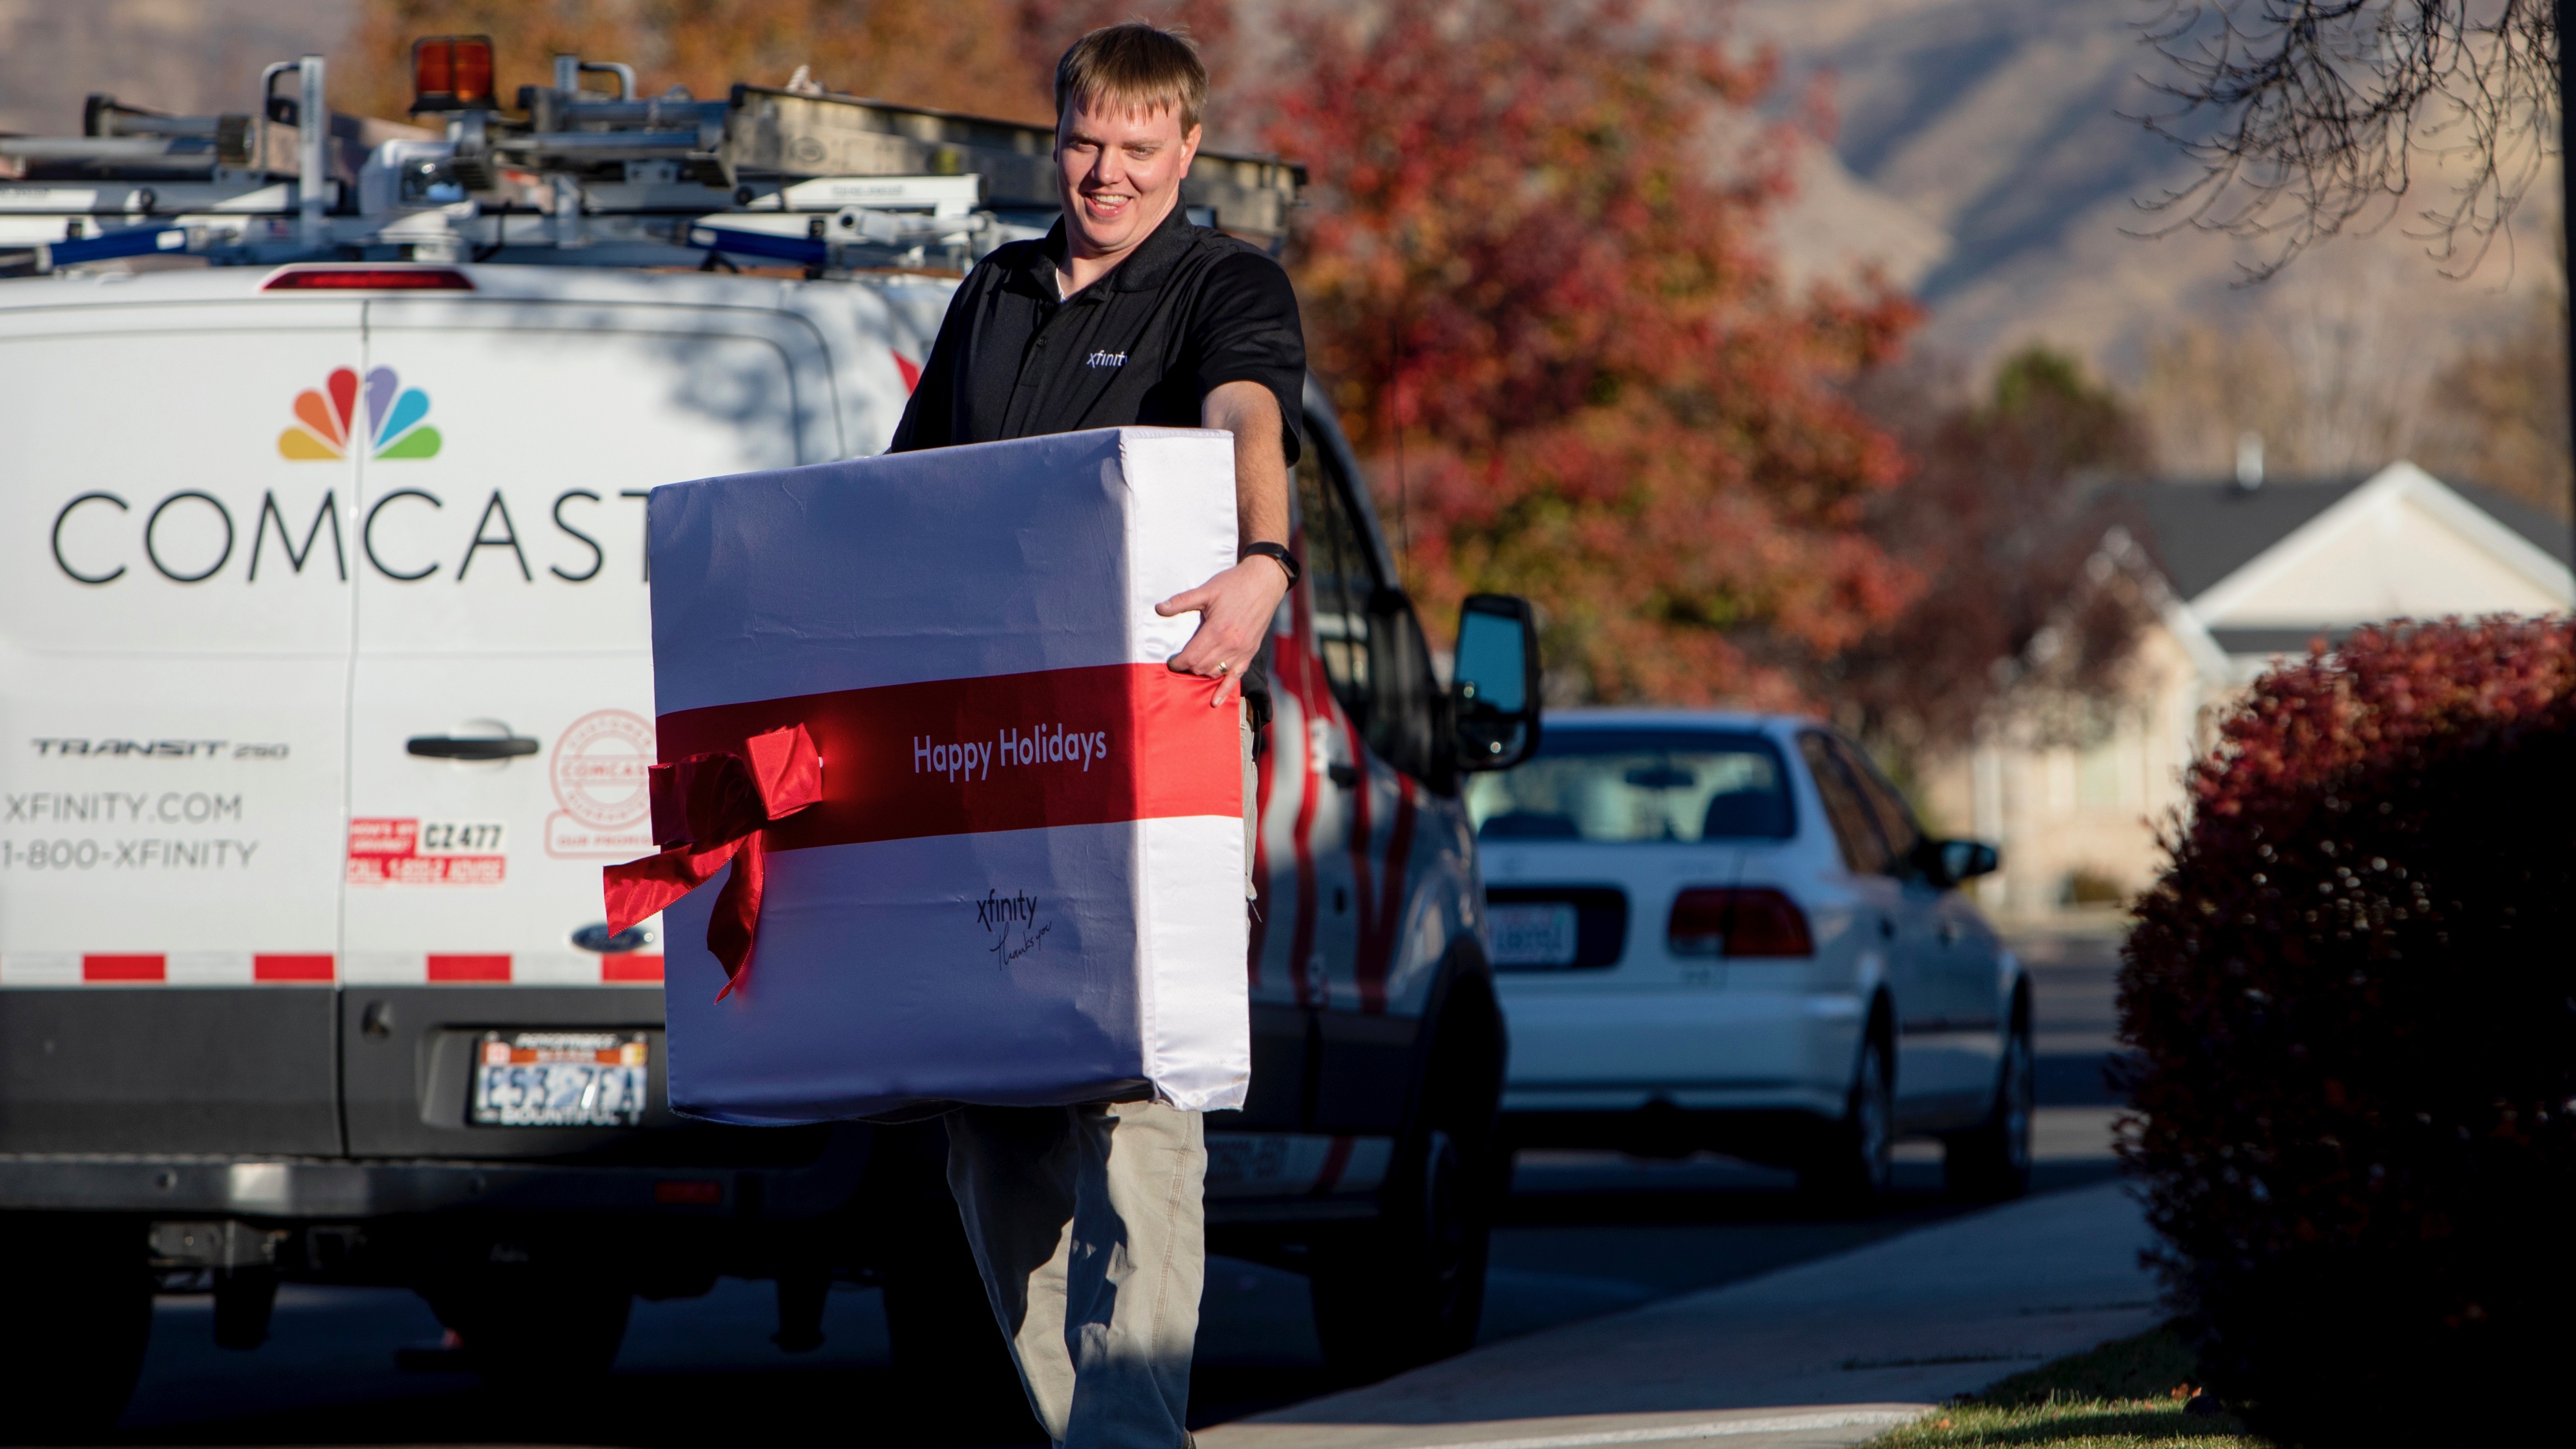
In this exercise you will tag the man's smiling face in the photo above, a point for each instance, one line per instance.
(1120, 173)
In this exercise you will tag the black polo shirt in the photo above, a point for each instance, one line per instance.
(1190, 309)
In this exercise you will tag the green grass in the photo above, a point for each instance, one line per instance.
(2118, 1396)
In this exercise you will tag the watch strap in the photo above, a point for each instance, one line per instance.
(1278, 552)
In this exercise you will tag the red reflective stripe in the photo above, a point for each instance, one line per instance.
(1363, 879)
(1337, 1159)
(1300, 683)
(469, 968)
(630, 968)
(290, 968)
(876, 787)
(1260, 868)
(124, 968)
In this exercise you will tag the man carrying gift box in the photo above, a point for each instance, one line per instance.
(1087, 1221)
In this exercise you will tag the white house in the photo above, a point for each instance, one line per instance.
(2240, 575)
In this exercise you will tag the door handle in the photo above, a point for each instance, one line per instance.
(1346, 776)
(1886, 928)
(448, 747)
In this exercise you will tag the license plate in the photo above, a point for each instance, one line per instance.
(560, 1078)
(1532, 935)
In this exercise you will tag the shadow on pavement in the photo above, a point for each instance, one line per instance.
(779, 1406)
(1583, 1235)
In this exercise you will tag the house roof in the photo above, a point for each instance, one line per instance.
(2200, 531)
(2551, 535)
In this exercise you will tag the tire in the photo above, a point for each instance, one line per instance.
(1853, 1163)
(524, 1325)
(1409, 1288)
(75, 1318)
(1992, 1162)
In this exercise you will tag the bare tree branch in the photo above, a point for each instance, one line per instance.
(2306, 116)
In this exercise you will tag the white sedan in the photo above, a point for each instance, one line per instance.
(1726, 931)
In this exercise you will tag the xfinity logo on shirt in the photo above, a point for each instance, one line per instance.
(1106, 359)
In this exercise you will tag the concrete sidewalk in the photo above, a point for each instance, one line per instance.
(1826, 1353)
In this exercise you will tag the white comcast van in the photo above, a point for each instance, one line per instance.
(325, 695)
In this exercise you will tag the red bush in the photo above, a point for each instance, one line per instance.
(2352, 999)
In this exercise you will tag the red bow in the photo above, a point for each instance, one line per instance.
(708, 809)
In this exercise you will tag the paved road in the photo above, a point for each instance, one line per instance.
(1585, 1234)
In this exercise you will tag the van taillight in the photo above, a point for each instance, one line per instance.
(1739, 922)
(451, 72)
(367, 279)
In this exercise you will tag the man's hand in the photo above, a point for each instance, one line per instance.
(1234, 609)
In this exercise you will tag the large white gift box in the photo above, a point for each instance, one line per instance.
(1024, 883)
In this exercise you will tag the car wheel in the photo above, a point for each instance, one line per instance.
(1855, 1162)
(1992, 1163)
(1410, 1288)
(75, 1317)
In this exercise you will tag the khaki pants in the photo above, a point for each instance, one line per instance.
(1089, 1230)
(1088, 1227)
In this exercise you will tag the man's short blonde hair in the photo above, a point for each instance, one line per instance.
(1136, 67)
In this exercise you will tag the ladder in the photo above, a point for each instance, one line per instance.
(767, 176)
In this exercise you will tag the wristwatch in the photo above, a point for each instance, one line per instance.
(1279, 552)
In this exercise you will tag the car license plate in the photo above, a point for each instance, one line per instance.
(560, 1078)
(1539, 934)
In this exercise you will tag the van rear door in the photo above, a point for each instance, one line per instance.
(175, 630)
(502, 705)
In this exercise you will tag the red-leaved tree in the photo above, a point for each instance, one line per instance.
(1047, 27)
(2005, 519)
(1536, 278)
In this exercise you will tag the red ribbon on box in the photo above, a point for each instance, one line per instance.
(709, 809)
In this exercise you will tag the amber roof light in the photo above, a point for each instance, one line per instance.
(451, 73)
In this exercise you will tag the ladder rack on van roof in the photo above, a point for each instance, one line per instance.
(768, 175)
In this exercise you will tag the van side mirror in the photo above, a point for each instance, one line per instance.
(1494, 697)
(1956, 862)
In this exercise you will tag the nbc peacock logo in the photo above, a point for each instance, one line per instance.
(327, 421)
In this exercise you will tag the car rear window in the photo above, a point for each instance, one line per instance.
(1631, 785)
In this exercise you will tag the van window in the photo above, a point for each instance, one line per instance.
(1372, 645)
(1864, 853)
(1404, 728)
(1622, 785)
(1341, 582)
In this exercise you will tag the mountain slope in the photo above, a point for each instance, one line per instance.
(2005, 125)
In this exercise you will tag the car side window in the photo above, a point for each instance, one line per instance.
(1895, 818)
(1405, 726)
(1864, 852)
(1340, 581)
